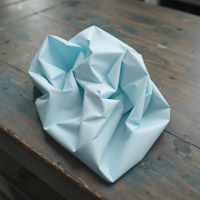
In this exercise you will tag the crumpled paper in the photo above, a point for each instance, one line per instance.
(98, 100)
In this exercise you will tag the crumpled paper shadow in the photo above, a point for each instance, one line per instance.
(98, 100)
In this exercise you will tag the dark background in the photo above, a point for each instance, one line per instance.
(190, 6)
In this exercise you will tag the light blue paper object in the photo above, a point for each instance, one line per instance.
(98, 100)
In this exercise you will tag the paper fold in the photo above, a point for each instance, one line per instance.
(99, 101)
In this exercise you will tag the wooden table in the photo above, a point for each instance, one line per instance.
(170, 44)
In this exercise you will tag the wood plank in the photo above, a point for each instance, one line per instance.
(14, 12)
(31, 186)
(24, 181)
(37, 163)
(177, 89)
(170, 49)
(163, 31)
(34, 29)
(18, 113)
(183, 96)
(8, 164)
(170, 170)
(15, 52)
(4, 3)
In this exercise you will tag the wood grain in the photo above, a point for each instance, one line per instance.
(168, 47)
(169, 42)
(20, 10)
(171, 166)
(4, 3)
(161, 30)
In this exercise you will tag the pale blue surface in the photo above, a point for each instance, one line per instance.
(99, 101)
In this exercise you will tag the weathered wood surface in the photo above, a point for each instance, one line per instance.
(4, 3)
(25, 181)
(23, 9)
(170, 44)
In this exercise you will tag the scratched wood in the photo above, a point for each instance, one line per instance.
(4, 3)
(168, 46)
(165, 32)
(20, 112)
(169, 170)
(17, 11)
(22, 179)
(169, 43)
